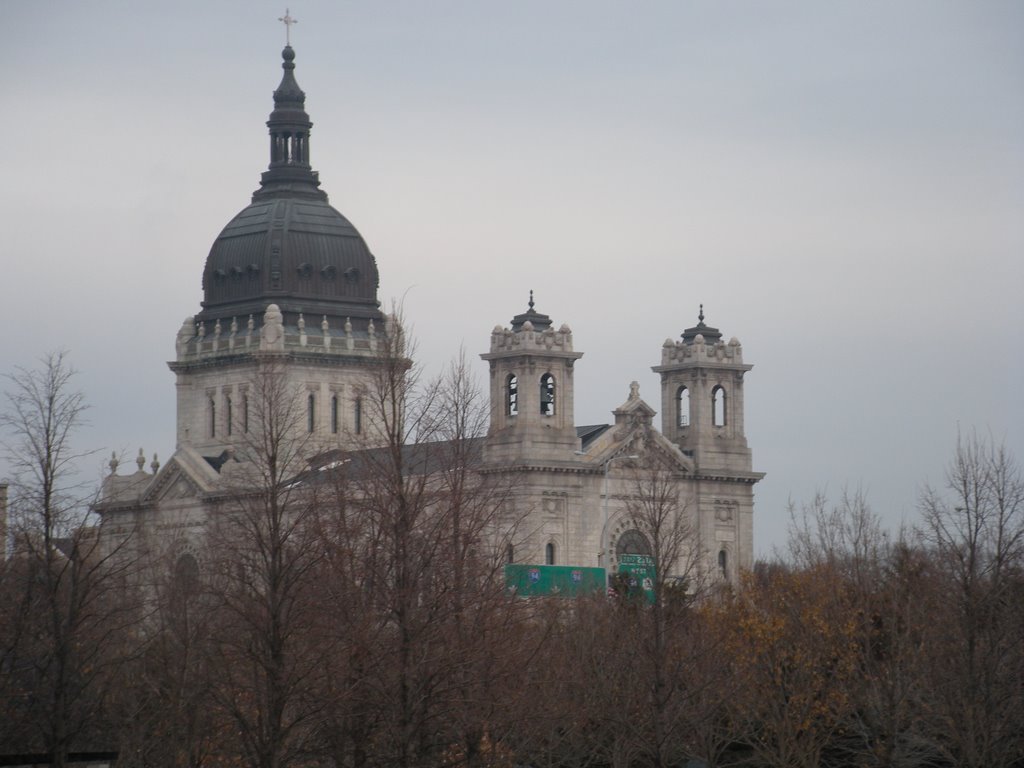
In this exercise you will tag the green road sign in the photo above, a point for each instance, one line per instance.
(636, 560)
(641, 573)
(553, 580)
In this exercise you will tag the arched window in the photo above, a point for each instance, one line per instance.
(683, 407)
(334, 414)
(512, 395)
(632, 542)
(723, 563)
(547, 395)
(213, 417)
(186, 575)
(228, 415)
(718, 410)
(310, 412)
(245, 414)
(357, 415)
(549, 554)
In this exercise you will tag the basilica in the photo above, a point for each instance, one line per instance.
(290, 279)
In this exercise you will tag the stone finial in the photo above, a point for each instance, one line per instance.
(634, 390)
(392, 328)
(325, 329)
(371, 329)
(185, 334)
(249, 327)
(349, 341)
(302, 330)
(140, 460)
(113, 463)
(234, 332)
(155, 466)
(272, 332)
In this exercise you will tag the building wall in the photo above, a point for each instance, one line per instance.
(580, 499)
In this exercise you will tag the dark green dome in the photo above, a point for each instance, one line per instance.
(289, 246)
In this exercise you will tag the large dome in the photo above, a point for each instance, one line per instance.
(289, 246)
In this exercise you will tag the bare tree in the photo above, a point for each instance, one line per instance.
(885, 586)
(793, 650)
(73, 624)
(669, 648)
(265, 551)
(848, 536)
(417, 556)
(975, 529)
(167, 716)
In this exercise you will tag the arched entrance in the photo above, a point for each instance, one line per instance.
(626, 538)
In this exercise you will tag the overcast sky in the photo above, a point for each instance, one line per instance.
(840, 184)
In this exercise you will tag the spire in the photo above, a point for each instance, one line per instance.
(289, 173)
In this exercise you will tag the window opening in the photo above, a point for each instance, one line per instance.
(549, 554)
(718, 412)
(186, 574)
(213, 418)
(683, 407)
(512, 394)
(334, 414)
(632, 542)
(310, 413)
(245, 414)
(723, 564)
(510, 554)
(228, 414)
(547, 395)
(358, 415)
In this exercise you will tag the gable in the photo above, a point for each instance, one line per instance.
(176, 480)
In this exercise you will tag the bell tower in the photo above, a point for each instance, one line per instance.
(531, 390)
(702, 398)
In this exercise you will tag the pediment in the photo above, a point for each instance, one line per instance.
(177, 479)
(653, 449)
(656, 451)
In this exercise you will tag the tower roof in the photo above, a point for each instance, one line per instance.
(289, 246)
(538, 320)
(711, 335)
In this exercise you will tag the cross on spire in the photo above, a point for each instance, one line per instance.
(287, 20)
